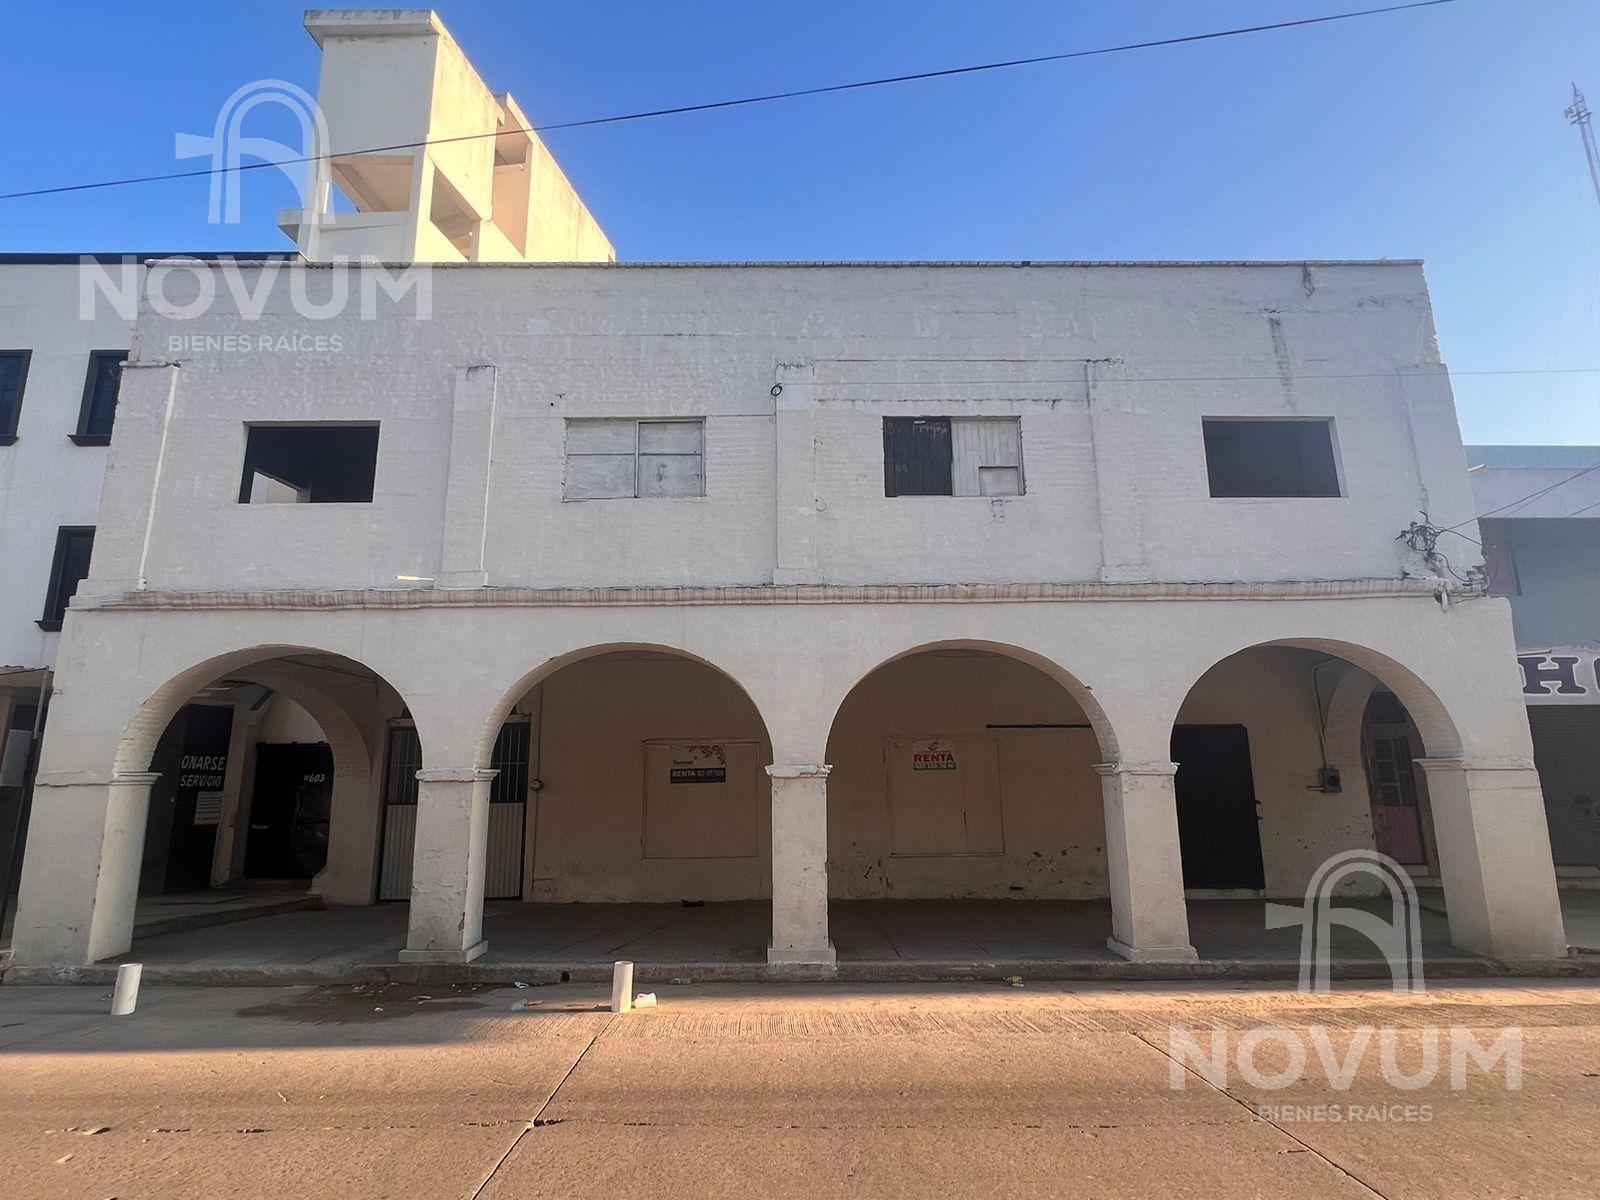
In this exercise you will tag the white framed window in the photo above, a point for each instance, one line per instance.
(611, 458)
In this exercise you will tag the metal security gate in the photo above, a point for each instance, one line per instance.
(508, 808)
(916, 456)
(400, 767)
(508, 796)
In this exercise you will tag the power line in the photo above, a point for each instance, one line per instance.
(682, 109)
(1108, 379)
(1530, 497)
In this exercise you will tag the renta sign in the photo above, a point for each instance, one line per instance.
(1566, 676)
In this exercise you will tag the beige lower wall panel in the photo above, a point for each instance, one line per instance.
(1050, 810)
(587, 823)
(587, 826)
(700, 799)
(944, 796)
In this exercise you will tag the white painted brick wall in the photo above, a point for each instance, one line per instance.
(707, 341)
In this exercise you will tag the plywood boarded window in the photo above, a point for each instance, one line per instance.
(944, 796)
(627, 458)
(700, 799)
(952, 456)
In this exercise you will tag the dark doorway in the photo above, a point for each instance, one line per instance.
(186, 800)
(1218, 826)
(290, 804)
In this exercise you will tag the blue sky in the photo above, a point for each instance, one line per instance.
(1433, 134)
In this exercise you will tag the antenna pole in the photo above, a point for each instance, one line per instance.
(1578, 114)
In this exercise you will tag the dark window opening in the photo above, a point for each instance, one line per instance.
(916, 456)
(74, 543)
(1270, 458)
(13, 378)
(100, 389)
(309, 464)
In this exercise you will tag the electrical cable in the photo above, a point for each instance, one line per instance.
(682, 109)
(1529, 498)
(1195, 378)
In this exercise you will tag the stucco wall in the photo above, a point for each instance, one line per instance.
(1051, 797)
(1116, 478)
(585, 834)
(1054, 828)
(1272, 692)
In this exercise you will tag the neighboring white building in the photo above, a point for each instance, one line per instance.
(389, 77)
(59, 374)
(1539, 517)
(804, 581)
(484, 188)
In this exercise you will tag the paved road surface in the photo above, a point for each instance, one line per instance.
(814, 1092)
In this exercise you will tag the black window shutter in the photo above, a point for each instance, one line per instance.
(916, 456)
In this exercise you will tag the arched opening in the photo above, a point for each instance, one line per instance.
(639, 814)
(965, 816)
(1289, 754)
(265, 788)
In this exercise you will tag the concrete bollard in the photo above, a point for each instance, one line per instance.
(126, 996)
(621, 986)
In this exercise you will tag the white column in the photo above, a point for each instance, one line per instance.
(1494, 856)
(354, 823)
(1149, 916)
(447, 876)
(235, 804)
(800, 865)
(466, 501)
(80, 874)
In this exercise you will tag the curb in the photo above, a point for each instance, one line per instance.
(889, 971)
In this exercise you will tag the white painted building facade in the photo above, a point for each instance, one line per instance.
(659, 517)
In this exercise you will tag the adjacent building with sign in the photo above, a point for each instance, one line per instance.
(1539, 515)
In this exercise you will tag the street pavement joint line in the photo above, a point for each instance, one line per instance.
(533, 1121)
(1350, 1175)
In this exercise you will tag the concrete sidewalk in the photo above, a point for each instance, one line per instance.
(921, 940)
(801, 1091)
(929, 940)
